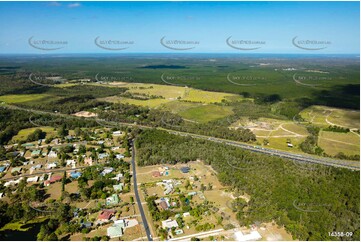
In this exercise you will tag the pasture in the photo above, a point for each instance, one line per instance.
(206, 113)
(23, 134)
(22, 98)
(323, 116)
(333, 143)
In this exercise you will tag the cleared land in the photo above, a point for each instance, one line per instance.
(325, 116)
(23, 134)
(206, 113)
(168, 93)
(333, 143)
(21, 98)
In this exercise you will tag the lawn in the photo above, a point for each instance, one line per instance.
(21, 98)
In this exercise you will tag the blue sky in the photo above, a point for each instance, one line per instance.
(272, 25)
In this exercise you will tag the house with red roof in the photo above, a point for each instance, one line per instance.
(53, 179)
(106, 214)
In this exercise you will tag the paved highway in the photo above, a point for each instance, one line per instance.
(353, 165)
(144, 219)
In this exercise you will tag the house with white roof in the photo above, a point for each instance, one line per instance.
(169, 224)
(33, 179)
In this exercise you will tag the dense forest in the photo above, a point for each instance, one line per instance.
(309, 200)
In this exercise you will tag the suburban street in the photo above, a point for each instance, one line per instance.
(144, 219)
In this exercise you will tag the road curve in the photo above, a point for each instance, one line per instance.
(144, 219)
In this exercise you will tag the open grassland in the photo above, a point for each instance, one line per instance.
(172, 93)
(280, 143)
(195, 95)
(346, 118)
(152, 103)
(333, 143)
(22, 98)
(179, 106)
(206, 113)
(23, 134)
(325, 116)
(168, 92)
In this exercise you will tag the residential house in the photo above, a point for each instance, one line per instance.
(118, 177)
(12, 182)
(71, 163)
(112, 200)
(119, 156)
(53, 179)
(169, 224)
(52, 154)
(33, 179)
(178, 231)
(107, 170)
(36, 167)
(16, 169)
(118, 188)
(105, 215)
(88, 161)
(163, 205)
(117, 133)
(75, 174)
(116, 230)
(36, 153)
(253, 236)
(52, 165)
(186, 214)
(103, 155)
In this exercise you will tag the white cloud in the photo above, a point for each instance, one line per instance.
(55, 4)
(74, 5)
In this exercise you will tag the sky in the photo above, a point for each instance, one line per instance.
(199, 27)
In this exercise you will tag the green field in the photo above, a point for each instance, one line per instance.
(23, 134)
(325, 116)
(206, 113)
(337, 79)
(22, 98)
(333, 143)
